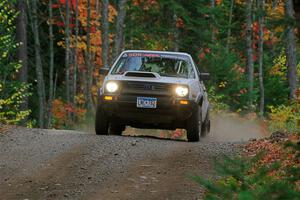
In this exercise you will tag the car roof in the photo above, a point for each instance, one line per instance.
(161, 52)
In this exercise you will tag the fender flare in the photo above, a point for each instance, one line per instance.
(199, 99)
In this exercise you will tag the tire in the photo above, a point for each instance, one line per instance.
(101, 122)
(194, 126)
(116, 129)
(205, 128)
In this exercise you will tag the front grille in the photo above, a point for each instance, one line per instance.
(135, 87)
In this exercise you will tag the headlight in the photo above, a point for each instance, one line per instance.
(112, 87)
(181, 91)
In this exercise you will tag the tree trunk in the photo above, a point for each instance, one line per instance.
(55, 85)
(291, 59)
(212, 5)
(51, 63)
(76, 52)
(274, 4)
(176, 33)
(105, 32)
(261, 6)
(119, 28)
(22, 50)
(67, 52)
(38, 65)
(229, 25)
(250, 65)
(89, 78)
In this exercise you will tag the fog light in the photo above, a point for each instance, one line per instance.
(184, 102)
(108, 98)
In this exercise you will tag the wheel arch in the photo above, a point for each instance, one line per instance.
(199, 99)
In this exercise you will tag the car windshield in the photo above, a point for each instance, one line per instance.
(163, 64)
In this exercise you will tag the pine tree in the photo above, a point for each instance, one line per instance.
(243, 178)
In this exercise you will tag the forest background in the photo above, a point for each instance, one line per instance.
(51, 52)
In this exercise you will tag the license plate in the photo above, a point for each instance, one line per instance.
(146, 102)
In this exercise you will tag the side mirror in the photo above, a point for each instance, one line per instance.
(204, 76)
(104, 70)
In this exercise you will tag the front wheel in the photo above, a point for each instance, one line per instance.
(205, 129)
(116, 129)
(194, 126)
(101, 122)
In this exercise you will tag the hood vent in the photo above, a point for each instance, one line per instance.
(141, 74)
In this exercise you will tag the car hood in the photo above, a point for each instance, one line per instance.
(161, 79)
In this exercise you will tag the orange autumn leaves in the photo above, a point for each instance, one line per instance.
(95, 35)
(95, 32)
(79, 46)
(146, 4)
(274, 151)
(60, 111)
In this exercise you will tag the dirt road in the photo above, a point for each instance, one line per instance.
(53, 164)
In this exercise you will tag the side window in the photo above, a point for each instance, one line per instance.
(119, 65)
(185, 68)
(197, 70)
(192, 73)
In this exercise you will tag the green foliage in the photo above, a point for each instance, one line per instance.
(228, 76)
(285, 118)
(238, 181)
(217, 100)
(196, 27)
(12, 92)
(275, 80)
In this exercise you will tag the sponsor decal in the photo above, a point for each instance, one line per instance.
(176, 57)
(143, 55)
(157, 55)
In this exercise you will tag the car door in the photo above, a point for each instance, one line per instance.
(205, 104)
(201, 91)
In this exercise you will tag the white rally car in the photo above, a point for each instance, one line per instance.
(153, 89)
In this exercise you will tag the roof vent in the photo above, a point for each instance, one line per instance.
(140, 74)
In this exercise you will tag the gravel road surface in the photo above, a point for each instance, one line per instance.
(56, 164)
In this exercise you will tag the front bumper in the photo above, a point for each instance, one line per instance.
(169, 112)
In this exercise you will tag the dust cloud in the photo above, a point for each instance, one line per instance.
(225, 127)
(231, 128)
